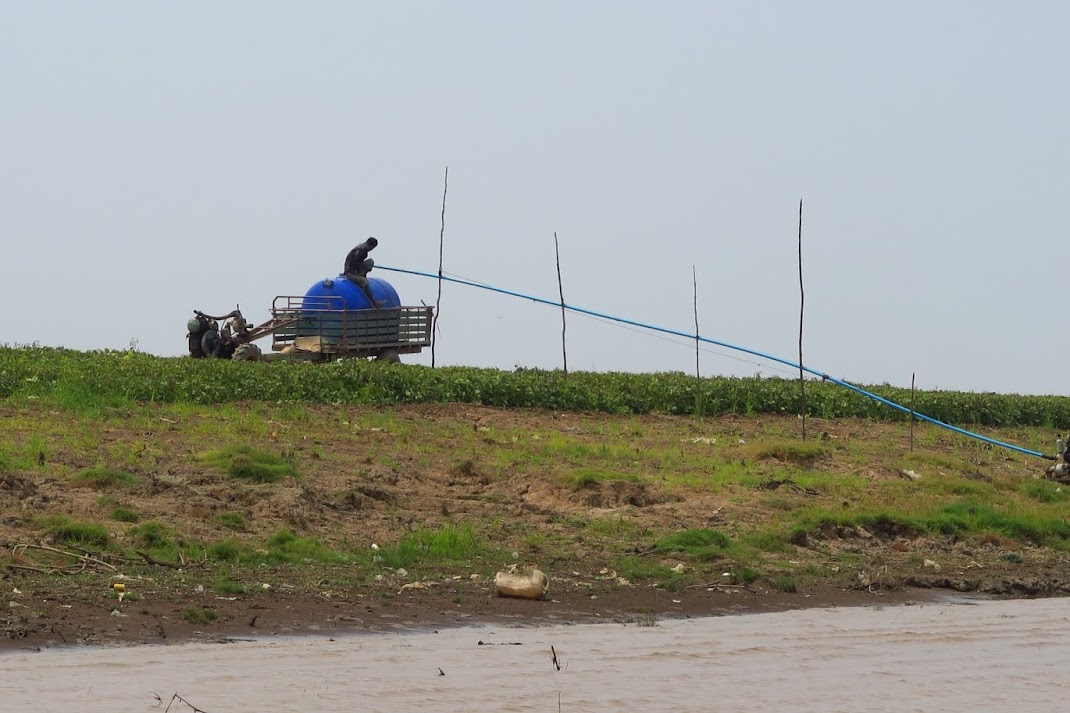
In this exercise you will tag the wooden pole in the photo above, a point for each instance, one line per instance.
(802, 304)
(561, 292)
(698, 374)
(441, 236)
(912, 419)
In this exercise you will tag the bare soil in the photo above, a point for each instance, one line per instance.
(370, 475)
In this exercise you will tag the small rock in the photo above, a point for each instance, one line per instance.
(474, 577)
(679, 568)
(931, 565)
(402, 572)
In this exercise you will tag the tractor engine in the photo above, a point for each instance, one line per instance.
(207, 339)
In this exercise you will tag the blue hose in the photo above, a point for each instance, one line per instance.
(726, 345)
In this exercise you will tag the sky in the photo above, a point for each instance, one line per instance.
(157, 158)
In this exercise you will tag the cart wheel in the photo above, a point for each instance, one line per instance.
(390, 356)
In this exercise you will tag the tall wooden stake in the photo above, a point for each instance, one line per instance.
(912, 419)
(561, 292)
(698, 374)
(441, 235)
(802, 304)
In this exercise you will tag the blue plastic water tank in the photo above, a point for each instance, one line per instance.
(350, 294)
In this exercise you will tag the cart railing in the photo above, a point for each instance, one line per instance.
(324, 324)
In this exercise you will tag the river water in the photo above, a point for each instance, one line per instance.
(986, 656)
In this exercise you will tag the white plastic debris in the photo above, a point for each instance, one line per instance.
(527, 585)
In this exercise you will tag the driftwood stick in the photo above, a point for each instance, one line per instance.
(441, 236)
(722, 585)
(27, 568)
(85, 559)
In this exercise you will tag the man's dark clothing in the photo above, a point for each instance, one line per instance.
(358, 265)
(357, 259)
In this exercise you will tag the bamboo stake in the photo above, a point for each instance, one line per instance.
(698, 374)
(441, 235)
(561, 292)
(802, 304)
(912, 419)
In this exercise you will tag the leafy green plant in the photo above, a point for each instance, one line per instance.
(83, 380)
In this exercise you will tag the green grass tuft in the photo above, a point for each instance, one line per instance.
(801, 452)
(104, 477)
(248, 463)
(1044, 491)
(76, 533)
(124, 515)
(232, 521)
(785, 584)
(581, 478)
(150, 534)
(450, 546)
(228, 586)
(198, 615)
(700, 543)
(228, 550)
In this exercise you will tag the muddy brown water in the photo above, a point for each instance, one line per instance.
(991, 656)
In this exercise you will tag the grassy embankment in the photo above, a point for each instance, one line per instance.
(293, 471)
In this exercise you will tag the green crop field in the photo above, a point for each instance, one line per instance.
(113, 378)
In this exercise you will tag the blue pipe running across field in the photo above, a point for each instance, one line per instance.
(726, 345)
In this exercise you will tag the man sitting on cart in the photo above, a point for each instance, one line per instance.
(358, 265)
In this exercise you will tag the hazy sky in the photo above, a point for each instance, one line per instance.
(160, 157)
